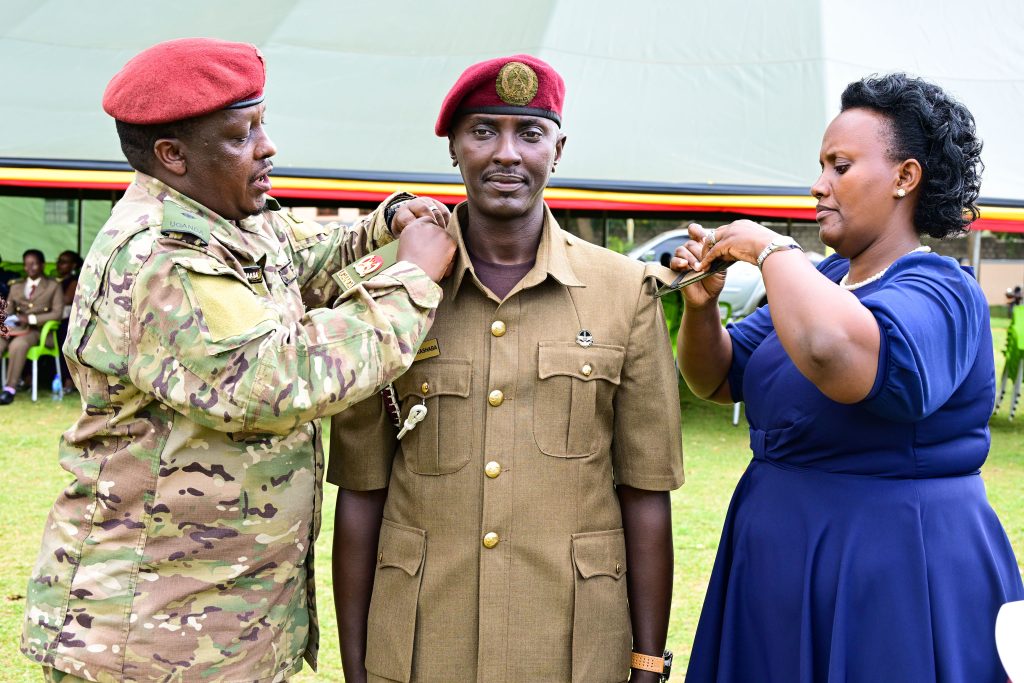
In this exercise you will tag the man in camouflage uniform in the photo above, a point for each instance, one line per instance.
(200, 340)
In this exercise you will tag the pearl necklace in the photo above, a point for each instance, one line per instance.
(878, 275)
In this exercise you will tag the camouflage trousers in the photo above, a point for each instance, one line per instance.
(51, 675)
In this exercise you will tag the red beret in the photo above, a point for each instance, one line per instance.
(183, 78)
(520, 85)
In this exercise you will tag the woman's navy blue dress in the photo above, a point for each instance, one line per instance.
(859, 545)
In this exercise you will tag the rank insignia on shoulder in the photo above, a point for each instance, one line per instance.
(368, 266)
(689, 277)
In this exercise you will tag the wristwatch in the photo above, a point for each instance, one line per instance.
(777, 244)
(659, 665)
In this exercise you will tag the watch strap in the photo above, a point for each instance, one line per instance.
(775, 245)
(647, 663)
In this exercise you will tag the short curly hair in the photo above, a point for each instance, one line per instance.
(137, 140)
(928, 125)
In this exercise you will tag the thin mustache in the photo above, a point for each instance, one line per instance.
(505, 175)
(264, 171)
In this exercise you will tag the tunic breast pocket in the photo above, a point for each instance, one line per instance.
(443, 442)
(572, 409)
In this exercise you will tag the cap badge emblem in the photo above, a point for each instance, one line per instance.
(370, 264)
(516, 84)
(585, 339)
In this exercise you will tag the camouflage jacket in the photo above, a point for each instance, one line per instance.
(182, 550)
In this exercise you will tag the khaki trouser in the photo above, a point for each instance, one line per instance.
(17, 348)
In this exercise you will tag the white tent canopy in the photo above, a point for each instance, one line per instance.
(728, 92)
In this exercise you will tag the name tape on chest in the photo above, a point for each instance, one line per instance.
(429, 349)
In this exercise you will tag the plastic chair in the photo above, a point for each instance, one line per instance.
(725, 308)
(36, 352)
(1013, 355)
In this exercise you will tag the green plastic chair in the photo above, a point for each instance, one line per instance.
(38, 351)
(1013, 355)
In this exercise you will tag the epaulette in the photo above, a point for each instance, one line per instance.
(659, 273)
(365, 268)
(181, 224)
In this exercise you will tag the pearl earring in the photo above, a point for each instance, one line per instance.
(901, 193)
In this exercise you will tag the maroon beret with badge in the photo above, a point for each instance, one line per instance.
(183, 78)
(520, 85)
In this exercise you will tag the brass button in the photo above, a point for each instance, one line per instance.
(587, 369)
(496, 398)
(618, 567)
(498, 328)
(425, 388)
(490, 539)
(492, 469)
(380, 558)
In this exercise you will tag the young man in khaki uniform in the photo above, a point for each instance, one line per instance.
(34, 301)
(521, 530)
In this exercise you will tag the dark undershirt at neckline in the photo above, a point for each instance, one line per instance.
(498, 277)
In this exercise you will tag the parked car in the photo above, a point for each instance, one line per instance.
(744, 288)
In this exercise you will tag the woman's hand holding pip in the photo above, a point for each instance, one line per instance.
(690, 256)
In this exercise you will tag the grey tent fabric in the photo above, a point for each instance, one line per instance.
(726, 92)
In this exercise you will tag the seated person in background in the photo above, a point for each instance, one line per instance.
(68, 265)
(31, 303)
(5, 277)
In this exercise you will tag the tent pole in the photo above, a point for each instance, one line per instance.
(976, 253)
(81, 223)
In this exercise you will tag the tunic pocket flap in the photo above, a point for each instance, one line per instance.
(568, 359)
(600, 553)
(402, 547)
(436, 377)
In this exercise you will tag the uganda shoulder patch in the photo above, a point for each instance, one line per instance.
(181, 224)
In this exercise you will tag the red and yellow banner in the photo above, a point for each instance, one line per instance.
(799, 207)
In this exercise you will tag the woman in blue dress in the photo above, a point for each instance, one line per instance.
(859, 545)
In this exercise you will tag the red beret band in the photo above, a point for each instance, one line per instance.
(519, 85)
(180, 79)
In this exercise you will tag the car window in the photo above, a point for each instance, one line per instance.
(658, 251)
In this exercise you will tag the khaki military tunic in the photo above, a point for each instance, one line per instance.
(182, 548)
(502, 556)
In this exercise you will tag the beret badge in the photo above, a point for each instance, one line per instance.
(516, 84)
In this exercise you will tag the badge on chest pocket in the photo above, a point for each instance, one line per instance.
(442, 440)
(572, 410)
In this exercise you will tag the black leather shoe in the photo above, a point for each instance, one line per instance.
(6, 398)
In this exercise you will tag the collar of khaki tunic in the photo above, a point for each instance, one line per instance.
(552, 256)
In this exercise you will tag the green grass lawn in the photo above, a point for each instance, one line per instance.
(716, 453)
